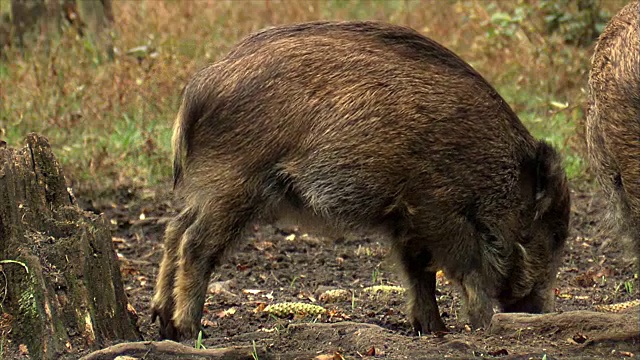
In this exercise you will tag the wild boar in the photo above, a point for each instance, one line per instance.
(613, 121)
(364, 126)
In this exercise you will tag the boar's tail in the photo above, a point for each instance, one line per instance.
(179, 143)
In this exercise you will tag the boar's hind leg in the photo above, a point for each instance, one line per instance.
(220, 223)
(163, 304)
(423, 308)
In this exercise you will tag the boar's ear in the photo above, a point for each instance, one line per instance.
(546, 177)
(550, 176)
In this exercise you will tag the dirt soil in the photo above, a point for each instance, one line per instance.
(287, 265)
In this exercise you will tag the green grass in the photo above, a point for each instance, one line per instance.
(628, 286)
(198, 345)
(554, 121)
(254, 352)
(109, 122)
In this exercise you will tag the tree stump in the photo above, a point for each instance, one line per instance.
(69, 293)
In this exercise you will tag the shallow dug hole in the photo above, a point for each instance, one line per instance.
(287, 265)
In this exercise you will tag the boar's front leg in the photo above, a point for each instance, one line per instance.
(225, 208)
(421, 284)
(162, 304)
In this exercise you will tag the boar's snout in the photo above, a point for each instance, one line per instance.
(530, 304)
(537, 255)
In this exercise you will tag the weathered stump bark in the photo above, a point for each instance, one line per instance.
(72, 295)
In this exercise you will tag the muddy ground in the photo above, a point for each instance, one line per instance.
(285, 265)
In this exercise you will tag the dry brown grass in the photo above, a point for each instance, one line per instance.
(110, 122)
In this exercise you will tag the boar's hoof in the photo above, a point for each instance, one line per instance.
(428, 325)
(185, 327)
(167, 328)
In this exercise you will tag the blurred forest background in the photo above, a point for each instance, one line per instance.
(102, 79)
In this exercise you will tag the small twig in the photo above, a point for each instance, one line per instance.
(15, 262)
(135, 261)
(556, 112)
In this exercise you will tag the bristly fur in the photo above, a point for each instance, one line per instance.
(178, 142)
(364, 125)
(613, 123)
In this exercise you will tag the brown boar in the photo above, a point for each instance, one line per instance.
(364, 126)
(613, 121)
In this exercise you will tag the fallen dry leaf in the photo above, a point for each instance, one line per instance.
(323, 357)
(22, 348)
(335, 314)
(626, 353)
(306, 295)
(221, 288)
(260, 307)
(263, 245)
(225, 313)
(209, 323)
(593, 276)
(371, 351)
(118, 240)
(252, 291)
(5, 322)
(132, 310)
(335, 356)
(128, 270)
